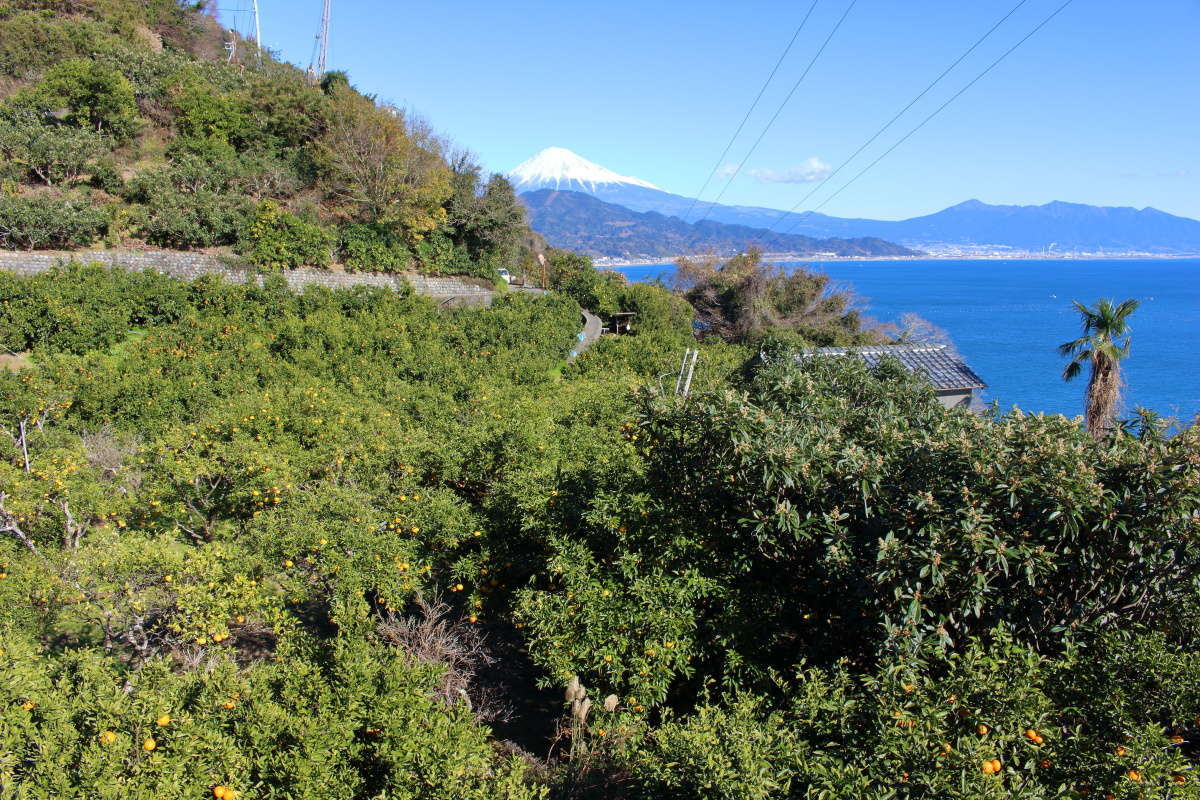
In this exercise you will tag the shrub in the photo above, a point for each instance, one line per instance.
(280, 240)
(30, 223)
(95, 96)
(30, 41)
(199, 219)
(372, 247)
(73, 308)
(106, 176)
(277, 728)
(437, 255)
(52, 154)
(202, 113)
(656, 310)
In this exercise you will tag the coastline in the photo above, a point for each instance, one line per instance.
(617, 263)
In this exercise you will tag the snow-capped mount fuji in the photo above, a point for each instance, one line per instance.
(559, 168)
(1054, 227)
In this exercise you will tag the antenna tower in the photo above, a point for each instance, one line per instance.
(257, 34)
(324, 38)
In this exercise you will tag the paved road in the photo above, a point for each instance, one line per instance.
(591, 332)
(592, 326)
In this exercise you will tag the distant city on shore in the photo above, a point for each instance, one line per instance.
(579, 205)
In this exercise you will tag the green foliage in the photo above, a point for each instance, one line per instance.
(296, 527)
(370, 248)
(380, 165)
(656, 310)
(279, 239)
(485, 216)
(204, 113)
(33, 222)
(802, 580)
(88, 95)
(370, 729)
(202, 218)
(32, 40)
(52, 154)
(437, 254)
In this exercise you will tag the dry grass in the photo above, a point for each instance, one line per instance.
(15, 362)
(430, 633)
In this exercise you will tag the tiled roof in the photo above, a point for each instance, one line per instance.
(943, 368)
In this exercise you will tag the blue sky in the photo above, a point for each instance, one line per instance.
(1101, 106)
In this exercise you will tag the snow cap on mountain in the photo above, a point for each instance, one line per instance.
(559, 168)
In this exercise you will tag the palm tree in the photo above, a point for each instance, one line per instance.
(1102, 326)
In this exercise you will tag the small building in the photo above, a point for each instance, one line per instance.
(954, 382)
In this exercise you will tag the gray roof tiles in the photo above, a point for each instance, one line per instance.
(937, 362)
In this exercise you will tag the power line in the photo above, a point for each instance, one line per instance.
(745, 119)
(900, 113)
(937, 111)
(779, 110)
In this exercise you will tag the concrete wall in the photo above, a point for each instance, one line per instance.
(189, 266)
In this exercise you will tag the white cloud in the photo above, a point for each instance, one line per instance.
(808, 171)
(727, 170)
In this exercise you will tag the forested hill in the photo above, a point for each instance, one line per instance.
(121, 122)
(579, 221)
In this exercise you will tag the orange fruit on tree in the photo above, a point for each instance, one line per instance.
(982, 729)
(149, 744)
(1031, 734)
(163, 721)
(1134, 775)
(995, 765)
(987, 768)
(1120, 751)
(107, 737)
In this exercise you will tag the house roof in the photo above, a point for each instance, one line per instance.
(937, 362)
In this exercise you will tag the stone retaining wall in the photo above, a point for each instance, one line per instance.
(189, 266)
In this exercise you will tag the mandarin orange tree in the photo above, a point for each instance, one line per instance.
(347, 544)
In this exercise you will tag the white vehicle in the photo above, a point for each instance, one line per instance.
(505, 274)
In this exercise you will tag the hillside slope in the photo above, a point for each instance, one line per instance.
(125, 122)
(579, 221)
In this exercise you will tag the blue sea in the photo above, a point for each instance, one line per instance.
(1008, 317)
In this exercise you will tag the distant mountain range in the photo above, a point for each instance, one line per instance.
(577, 221)
(1056, 227)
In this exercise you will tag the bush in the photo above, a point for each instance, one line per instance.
(29, 223)
(186, 221)
(73, 308)
(52, 154)
(202, 113)
(95, 96)
(372, 248)
(276, 728)
(280, 240)
(437, 255)
(656, 310)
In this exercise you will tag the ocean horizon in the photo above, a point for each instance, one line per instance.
(1008, 316)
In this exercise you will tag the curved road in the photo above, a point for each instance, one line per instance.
(592, 327)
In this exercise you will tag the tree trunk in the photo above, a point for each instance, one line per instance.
(1104, 393)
